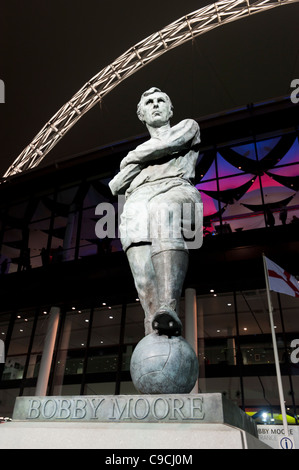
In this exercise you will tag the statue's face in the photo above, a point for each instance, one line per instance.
(155, 109)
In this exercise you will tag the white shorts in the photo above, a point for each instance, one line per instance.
(167, 214)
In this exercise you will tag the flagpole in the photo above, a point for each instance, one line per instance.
(276, 358)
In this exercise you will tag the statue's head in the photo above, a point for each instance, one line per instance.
(154, 108)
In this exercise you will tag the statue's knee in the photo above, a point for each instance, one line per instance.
(144, 283)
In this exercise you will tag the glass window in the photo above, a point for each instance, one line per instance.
(236, 213)
(242, 200)
(264, 147)
(219, 314)
(99, 388)
(13, 236)
(4, 322)
(7, 401)
(64, 233)
(210, 174)
(38, 343)
(134, 330)
(290, 310)
(263, 391)
(291, 156)
(287, 170)
(18, 347)
(224, 168)
(243, 152)
(128, 388)
(106, 326)
(236, 183)
(104, 341)
(11, 248)
(72, 346)
(89, 243)
(38, 235)
(229, 386)
(253, 313)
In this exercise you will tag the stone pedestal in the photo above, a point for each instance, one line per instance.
(199, 421)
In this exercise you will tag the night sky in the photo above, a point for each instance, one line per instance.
(50, 49)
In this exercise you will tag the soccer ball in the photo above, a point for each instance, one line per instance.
(160, 364)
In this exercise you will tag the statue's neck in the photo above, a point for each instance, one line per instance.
(159, 132)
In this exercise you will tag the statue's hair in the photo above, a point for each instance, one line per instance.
(148, 92)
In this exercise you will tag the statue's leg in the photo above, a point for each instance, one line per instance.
(139, 257)
(170, 268)
(169, 257)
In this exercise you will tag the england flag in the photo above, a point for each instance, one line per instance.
(280, 280)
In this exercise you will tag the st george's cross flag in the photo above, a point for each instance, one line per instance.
(280, 280)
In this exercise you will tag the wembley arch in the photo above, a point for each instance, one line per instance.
(180, 31)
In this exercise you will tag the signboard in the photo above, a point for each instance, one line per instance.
(273, 436)
(287, 443)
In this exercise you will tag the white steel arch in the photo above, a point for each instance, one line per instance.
(150, 48)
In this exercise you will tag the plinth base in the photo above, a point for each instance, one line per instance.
(118, 436)
(189, 421)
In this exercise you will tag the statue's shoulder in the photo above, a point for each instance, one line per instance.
(189, 122)
(188, 127)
